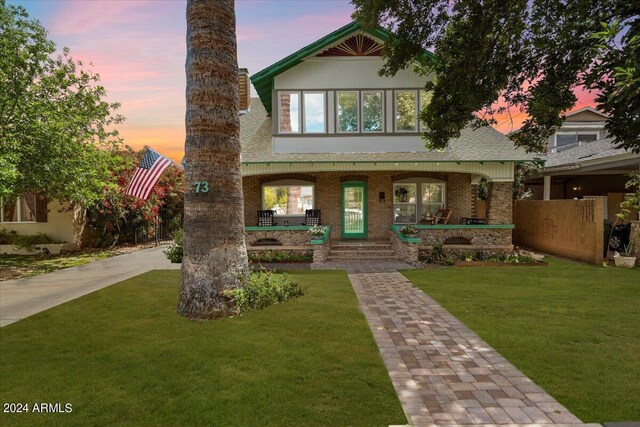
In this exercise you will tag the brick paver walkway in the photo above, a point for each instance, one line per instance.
(444, 373)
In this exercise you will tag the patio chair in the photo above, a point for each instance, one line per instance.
(265, 218)
(311, 217)
(443, 216)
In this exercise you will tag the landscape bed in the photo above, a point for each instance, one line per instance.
(123, 356)
(500, 264)
(572, 328)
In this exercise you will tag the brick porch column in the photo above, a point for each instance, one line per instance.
(500, 203)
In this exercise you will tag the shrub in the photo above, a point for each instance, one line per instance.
(175, 250)
(409, 230)
(25, 241)
(280, 256)
(262, 289)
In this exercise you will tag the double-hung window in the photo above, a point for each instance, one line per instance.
(372, 111)
(347, 111)
(433, 197)
(404, 203)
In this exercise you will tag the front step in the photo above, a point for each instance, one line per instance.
(361, 250)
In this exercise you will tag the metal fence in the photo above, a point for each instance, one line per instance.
(157, 233)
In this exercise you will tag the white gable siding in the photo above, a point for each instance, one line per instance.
(341, 73)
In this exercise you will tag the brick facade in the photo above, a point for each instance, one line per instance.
(379, 213)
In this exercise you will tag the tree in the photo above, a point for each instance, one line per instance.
(56, 131)
(529, 54)
(215, 256)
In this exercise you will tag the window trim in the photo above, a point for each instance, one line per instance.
(19, 212)
(383, 117)
(300, 112)
(395, 111)
(288, 183)
(325, 113)
(358, 124)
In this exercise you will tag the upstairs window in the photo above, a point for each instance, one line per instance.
(372, 111)
(314, 112)
(347, 109)
(289, 112)
(406, 114)
(573, 138)
(425, 99)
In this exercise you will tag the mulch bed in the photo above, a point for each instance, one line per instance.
(499, 264)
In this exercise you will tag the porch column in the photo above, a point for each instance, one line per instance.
(546, 193)
(500, 203)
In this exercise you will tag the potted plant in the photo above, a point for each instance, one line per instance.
(409, 231)
(317, 231)
(482, 194)
(401, 193)
(626, 259)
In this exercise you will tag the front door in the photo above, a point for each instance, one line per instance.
(354, 210)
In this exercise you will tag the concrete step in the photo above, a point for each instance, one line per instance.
(360, 244)
(361, 257)
(341, 251)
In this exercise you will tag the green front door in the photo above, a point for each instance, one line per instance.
(354, 210)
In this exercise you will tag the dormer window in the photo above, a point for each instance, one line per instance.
(406, 110)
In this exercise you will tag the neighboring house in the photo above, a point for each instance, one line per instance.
(31, 214)
(582, 161)
(329, 133)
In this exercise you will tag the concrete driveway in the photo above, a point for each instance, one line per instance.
(22, 298)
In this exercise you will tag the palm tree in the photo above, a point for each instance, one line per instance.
(215, 256)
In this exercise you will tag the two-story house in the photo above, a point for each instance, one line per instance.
(582, 160)
(329, 133)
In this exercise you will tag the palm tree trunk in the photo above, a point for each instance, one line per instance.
(215, 256)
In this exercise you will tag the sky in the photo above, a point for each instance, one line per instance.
(138, 49)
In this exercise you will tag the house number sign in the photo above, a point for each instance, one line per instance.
(201, 186)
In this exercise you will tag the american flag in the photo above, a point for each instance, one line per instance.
(147, 174)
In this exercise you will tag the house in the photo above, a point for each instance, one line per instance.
(582, 161)
(328, 133)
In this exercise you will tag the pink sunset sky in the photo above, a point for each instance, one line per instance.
(138, 49)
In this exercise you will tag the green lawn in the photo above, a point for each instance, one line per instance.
(572, 328)
(122, 356)
(17, 266)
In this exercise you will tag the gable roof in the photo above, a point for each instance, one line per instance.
(484, 144)
(583, 109)
(263, 80)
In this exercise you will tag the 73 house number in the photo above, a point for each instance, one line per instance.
(201, 186)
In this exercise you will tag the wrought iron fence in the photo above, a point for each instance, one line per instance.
(160, 232)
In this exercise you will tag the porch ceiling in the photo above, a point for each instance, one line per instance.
(494, 171)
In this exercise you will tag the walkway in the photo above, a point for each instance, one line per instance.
(22, 298)
(444, 373)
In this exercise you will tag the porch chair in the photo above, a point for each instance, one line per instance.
(443, 216)
(265, 218)
(311, 217)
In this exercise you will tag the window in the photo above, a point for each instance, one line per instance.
(372, 111)
(406, 110)
(425, 99)
(314, 112)
(432, 198)
(22, 209)
(347, 111)
(573, 138)
(289, 112)
(287, 199)
(404, 203)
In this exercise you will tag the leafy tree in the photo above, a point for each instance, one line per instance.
(529, 54)
(215, 255)
(56, 131)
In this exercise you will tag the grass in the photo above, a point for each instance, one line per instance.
(122, 356)
(18, 266)
(572, 328)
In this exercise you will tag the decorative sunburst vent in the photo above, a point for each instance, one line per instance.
(357, 45)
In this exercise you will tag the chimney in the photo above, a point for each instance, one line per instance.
(244, 89)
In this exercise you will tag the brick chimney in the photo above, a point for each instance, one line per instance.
(244, 89)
